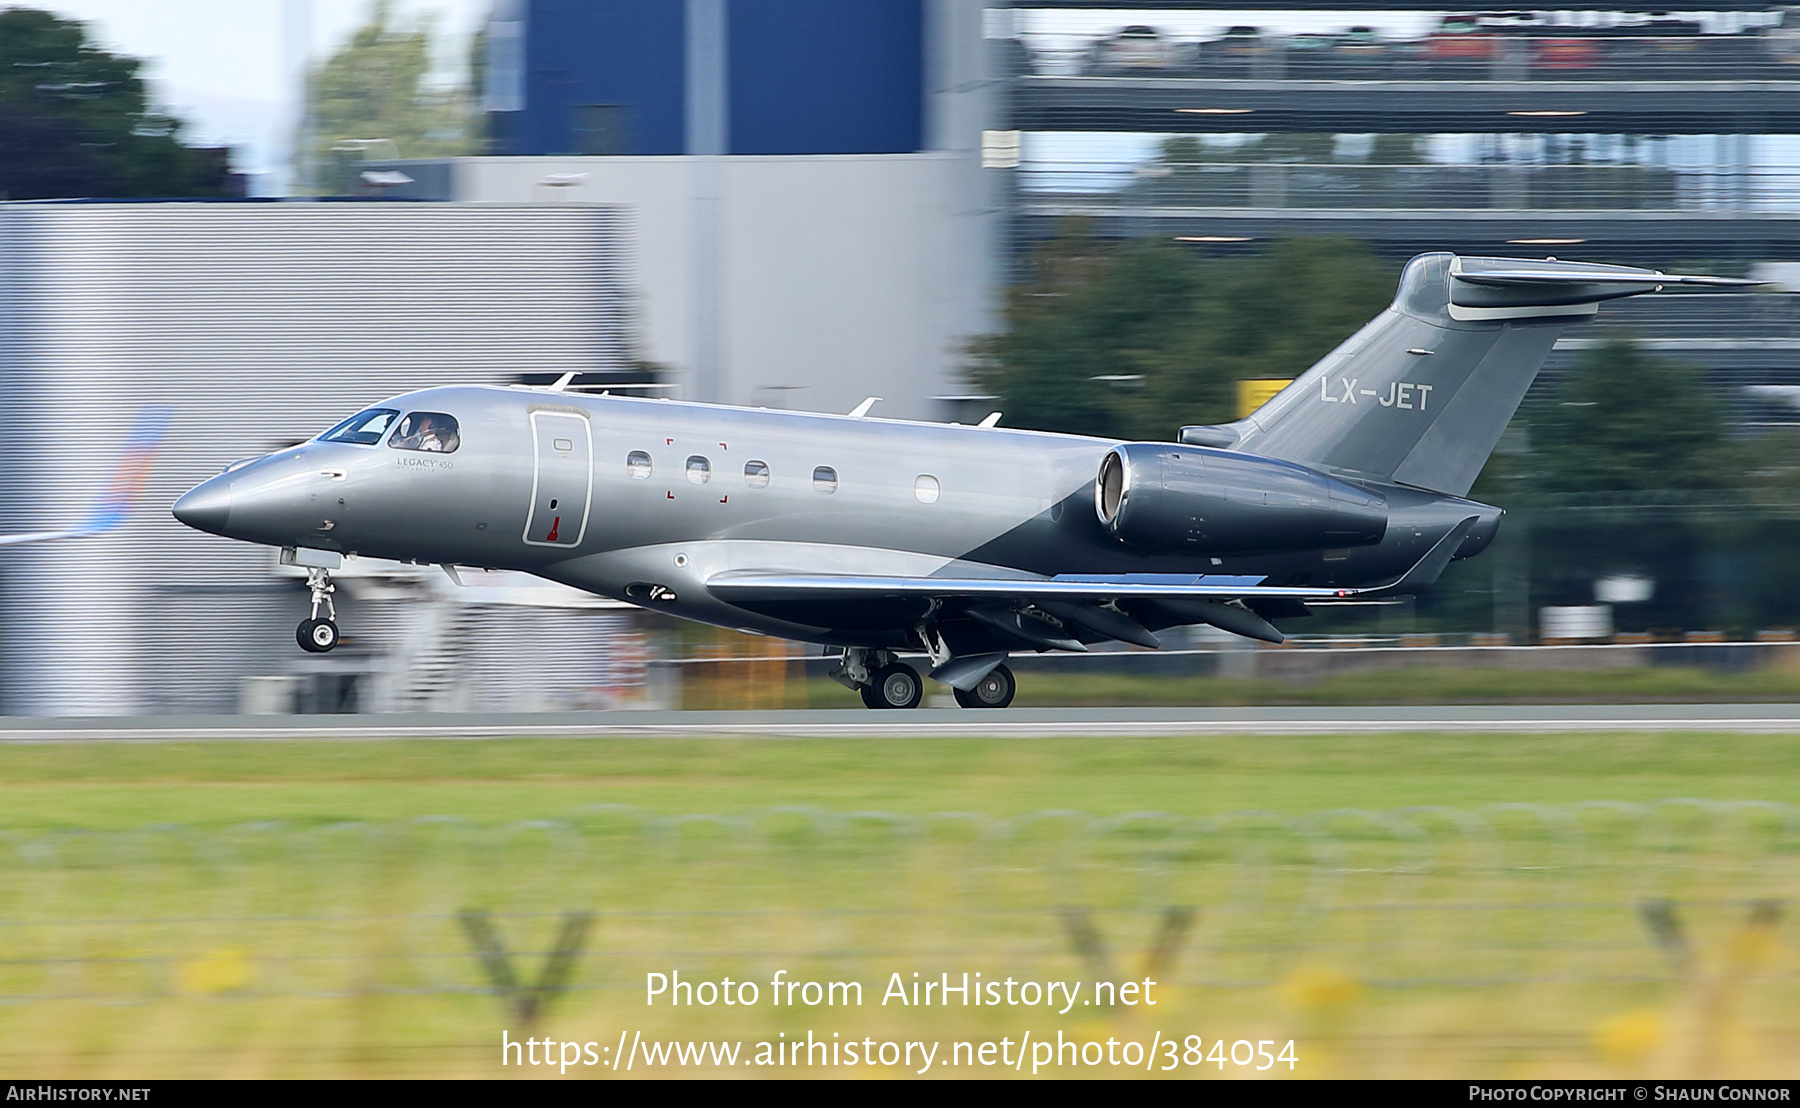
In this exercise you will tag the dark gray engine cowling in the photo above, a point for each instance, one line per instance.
(1169, 497)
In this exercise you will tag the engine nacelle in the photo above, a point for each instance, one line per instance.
(1170, 497)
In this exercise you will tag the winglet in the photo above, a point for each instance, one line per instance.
(1428, 569)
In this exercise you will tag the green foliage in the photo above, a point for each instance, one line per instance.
(374, 96)
(1626, 420)
(75, 121)
(1132, 341)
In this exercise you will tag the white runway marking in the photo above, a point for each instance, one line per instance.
(928, 723)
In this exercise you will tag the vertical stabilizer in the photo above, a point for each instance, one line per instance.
(1421, 394)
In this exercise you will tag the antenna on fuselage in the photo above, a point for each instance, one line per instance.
(863, 409)
(563, 381)
(992, 419)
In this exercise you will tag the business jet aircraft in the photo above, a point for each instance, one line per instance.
(960, 544)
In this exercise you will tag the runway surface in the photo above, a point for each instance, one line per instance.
(1022, 723)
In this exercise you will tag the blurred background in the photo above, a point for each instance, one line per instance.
(1094, 217)
(1090, 217)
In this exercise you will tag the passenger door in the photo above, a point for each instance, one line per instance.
(562, 479)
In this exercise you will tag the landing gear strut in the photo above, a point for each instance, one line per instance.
(880, 679)
(993, 691)
(315, 635)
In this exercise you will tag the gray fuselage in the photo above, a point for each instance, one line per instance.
(547, 483)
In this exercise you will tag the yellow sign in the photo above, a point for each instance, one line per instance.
(1253, 394)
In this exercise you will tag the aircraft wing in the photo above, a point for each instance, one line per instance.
(752, 585)
(755, 585)
(124, 487)
(1082, 601)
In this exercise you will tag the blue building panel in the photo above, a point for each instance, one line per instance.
(803, 77)
(826, 77)
(602, 76)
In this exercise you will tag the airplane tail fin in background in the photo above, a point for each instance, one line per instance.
(123, 488)
(1421, 394)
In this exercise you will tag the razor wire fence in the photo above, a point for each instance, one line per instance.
(1600, 893)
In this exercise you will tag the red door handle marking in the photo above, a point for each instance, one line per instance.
(555, 525)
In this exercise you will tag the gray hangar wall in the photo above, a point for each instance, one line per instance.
(261, 325)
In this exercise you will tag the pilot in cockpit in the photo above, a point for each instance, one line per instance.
(427, 431)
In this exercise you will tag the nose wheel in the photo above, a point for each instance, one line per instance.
(315, 635)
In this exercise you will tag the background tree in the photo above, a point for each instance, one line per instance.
(1134, 340)
(378, 86)
(75, 121)
(1625, 420)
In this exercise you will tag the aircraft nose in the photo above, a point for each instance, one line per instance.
(206, 506)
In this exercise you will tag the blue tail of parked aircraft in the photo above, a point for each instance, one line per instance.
(123, 488)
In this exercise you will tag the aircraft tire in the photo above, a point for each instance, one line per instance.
(993, 691)
(317, 636)
(896, 686)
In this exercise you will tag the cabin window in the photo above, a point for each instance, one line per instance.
(756, 474)
(433, 432)
(363, 428)
(825, 479)
(699, 470)
(637, 464)
(925, 487)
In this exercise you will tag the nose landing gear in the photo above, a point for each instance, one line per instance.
(315, 635)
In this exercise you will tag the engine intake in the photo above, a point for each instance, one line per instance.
(1170, 497)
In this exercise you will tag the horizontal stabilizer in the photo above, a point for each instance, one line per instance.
(1494, 288)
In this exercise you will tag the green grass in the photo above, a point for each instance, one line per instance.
(1421, 685)
(123, 785)
(276, 908)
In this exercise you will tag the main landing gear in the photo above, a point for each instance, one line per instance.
(895, 685)
(993, 691)
(315, 635)
(885, 682)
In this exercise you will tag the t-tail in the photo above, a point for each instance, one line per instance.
(1421, 395)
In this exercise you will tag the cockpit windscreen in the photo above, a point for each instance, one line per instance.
(363, 428)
